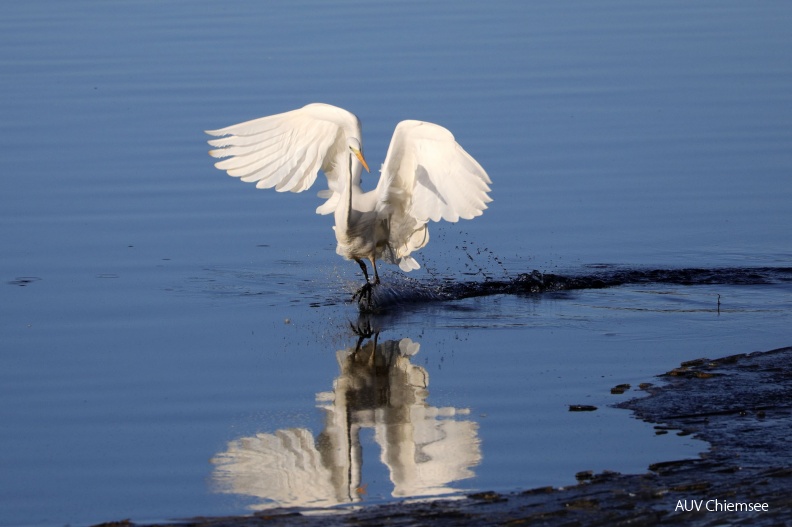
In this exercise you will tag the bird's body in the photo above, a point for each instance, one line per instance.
(426, 176)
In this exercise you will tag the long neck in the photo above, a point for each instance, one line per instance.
(349, 188)
(345, 213)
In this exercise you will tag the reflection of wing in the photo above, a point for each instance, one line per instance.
(445, 451)
(425, 448)
(285, 467)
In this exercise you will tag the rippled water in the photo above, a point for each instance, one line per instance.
(174, 343)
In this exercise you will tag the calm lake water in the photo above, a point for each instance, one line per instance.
(176, 343)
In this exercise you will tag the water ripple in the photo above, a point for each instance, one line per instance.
(409, 291)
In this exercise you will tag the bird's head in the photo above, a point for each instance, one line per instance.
(357, 150)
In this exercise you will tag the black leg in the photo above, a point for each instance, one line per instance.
(365, 291)
(362, 265)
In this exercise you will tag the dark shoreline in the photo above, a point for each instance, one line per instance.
(741, 405)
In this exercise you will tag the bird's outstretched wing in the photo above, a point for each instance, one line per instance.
(426, 176)
(287, 150)
(430, 177)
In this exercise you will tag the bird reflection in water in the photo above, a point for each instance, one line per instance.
(424, 448)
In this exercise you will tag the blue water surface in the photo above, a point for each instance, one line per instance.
(176, 343)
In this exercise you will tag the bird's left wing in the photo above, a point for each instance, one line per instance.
(430, 177)
(287, 150)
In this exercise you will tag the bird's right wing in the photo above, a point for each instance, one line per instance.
(430, 177)
(426, 176)
(287, 150)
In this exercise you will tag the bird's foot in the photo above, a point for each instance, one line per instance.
(364, 294)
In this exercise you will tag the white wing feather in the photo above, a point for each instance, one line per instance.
(286, 151)
(428, 175)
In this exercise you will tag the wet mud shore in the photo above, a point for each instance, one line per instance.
(741, 405)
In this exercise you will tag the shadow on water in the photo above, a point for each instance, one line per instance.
(408, 291)
(424, 448)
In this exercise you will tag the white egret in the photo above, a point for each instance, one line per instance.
(426, 176)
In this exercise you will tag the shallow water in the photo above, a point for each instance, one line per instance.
(156, 316)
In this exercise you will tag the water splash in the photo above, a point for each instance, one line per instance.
(407, 291)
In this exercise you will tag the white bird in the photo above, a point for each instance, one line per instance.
(426, 176)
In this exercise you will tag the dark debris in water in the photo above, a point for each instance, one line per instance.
(620, 389)
(24, 281)
(582, 408)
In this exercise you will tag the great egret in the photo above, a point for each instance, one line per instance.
(426, 176)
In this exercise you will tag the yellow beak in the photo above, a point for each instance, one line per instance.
(359, 155)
